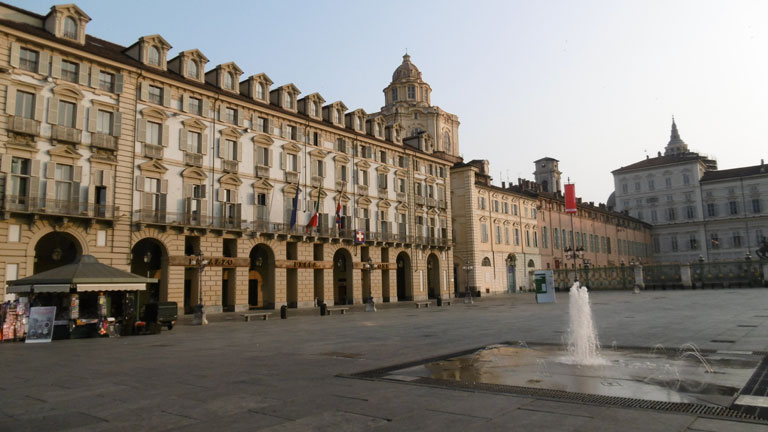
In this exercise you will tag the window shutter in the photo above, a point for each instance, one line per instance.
(322, 169)
(5, 164)
(42, 63)
(238, 211)
(183, 144)
(313, 169)
(285, 131)
(204, 145)
(282, 160)
(10, 100)
(166, 96)
(39, 104)
(203, 208)
(106, 179)
(82, 79)
(94, 76)
(117, 124)
(269, 158)
(185, 102)
(298, 163)
(221, 195)
(80, 120)
(76, 195)
(140, 183)
(118, 83)
(146, 201)
(187, 190)
(164, 186)
(92, 119)
(53, 110)
(56, 66)
(258, 156)
(15, 54)
(206, 107)
(144, 91)
(50, 170)
(238, 151)
(240, 117)
(166, 134)
(77, 175)
(203, 191)
(221, 112)
(141, 130)
(34, 181)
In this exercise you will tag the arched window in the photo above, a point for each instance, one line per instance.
(229, 81)
(154, 56)
(260, 91)
(192, 69)
(415, 116)
(70, 28)
(531, 264)
(486, 262)
(446, 142)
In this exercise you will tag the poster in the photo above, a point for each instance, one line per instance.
(41, 324)
(545, 286)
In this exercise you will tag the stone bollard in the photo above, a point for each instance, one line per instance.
(639, 282)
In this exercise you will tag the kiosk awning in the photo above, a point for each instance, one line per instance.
(111, 287)
(42, 288)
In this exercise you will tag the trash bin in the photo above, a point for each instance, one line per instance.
(439, 301)
(323, 309)
(283, 312)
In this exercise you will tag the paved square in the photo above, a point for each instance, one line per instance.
(285, 374)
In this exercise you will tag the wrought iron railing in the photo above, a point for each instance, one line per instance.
(24, 204)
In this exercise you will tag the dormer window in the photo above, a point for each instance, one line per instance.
(313, 109)
(289, 101)
(378, 130)
(70, 28)
(338, 116)
(411, 92)
(153, 56)
(229, 81)
(192, 69)
(358, 123)
(260, 91)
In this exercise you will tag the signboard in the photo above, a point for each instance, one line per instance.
(191, 261)
(41, 324)
(570, 198)
(359, 237)
(290, 264)
(545, 286)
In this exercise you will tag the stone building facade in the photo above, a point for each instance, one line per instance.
(147, 161)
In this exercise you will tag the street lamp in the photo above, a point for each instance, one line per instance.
(147, 260)
(468, 296)
(623, 276)
(200, 318)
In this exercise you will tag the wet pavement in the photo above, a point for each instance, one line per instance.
(294, 374)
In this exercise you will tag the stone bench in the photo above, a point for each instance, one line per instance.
(447, 302)
(423, 303)
(262, 315)
(341, 310)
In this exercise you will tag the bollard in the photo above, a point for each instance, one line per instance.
(283, 312)
(323, 309)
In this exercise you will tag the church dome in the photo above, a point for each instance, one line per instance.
(406, 71)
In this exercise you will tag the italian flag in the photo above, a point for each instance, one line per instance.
(313, 220)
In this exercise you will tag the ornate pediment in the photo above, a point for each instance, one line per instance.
(154, 113)
(402, 208)
(318, 154)
(194, 124)
(231, 132)
(342, 197)
(382, 169)
(153, 166)
(341, 159)
(363, 201)
(66, 90)
(314, 192)
(383, 204)
(433, 212)
(193, 173)
(290, 188)
(401, 173)
(263, 139)
(291, 147)
(230, 180)
(363, 164)
(65, 151)
(262, 185)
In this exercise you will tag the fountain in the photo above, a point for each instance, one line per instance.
(583, 345)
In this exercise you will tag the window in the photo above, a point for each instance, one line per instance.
(484, 233)
(339, 116)
(401, 185)
(656, 244)
(383, 156)
(505, 207)
(668, 182)
(671, 214)
(486, 262)
(555, 238)
(230, 115)
(654, 216)
(70, 71)
(496, 206)
(194, 142)
(411, 92)
(67, 112)
(394, 95)
(319, 167)
(229, 81)
(343, 173)
(152, 191)
(25, 104)
(673, 243)
(755, 206)
(378, 130)
(733, 207)
(192, 69)
(70, 28)
(20, 172)
(196, 106)
(517, 237)
(382, 180)
(262, 156)
(289, 100)
(624, 188)
(498, 234)
(292, 162)
(106, 81)
(153, 57)
(482, 203)
(28, 59)
(229, 150)
(506, 235)
(534, 213)
(651, 185)
(535, 239)
(711, 210)
(686, 179)
(514, 209)
(154, 133)
(262, 125)
(313, 109)
(155, 95)
(63, 178)
(690, 212)
(637, 186)
(291, 132)
(358, 123)
(714, 240)
(260, 91)
(736, 239)
(693, 242)
(104, 121)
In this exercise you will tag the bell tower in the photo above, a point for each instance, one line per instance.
(547, 174)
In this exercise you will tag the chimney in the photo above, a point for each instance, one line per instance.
(503, 185)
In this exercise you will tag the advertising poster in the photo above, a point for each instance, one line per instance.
(545, 286)
(41, 324)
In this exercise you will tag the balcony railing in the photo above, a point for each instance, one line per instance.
(193, 159)
(431, 202)
(316, 181)
(24, 125)
(419, 200)
(187, 219)
(441, 204)
(153, 151)
(261, 171)
(401, 196)
(291, 177)
(24, 204)
(66, 134)
(229, 166)
(383, 193)
(103, 141)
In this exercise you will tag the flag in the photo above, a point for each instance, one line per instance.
(338, 213)
(295, 207)
(570, 198)
(313, 220)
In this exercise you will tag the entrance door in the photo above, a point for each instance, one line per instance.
(511, 288)
(253, 292)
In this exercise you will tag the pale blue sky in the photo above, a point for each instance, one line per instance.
(591, 83)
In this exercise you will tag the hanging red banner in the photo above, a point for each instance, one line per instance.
(570, 198)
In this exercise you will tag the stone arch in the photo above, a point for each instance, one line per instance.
(404, 276)
(261, 277)
(55, 249)
(433, 276)
(343, 289)
(149, 257)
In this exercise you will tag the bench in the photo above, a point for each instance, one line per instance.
(447, 302)
(262, 315)
(341, 310)
(423, 303)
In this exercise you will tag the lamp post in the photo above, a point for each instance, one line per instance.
(147, 260)
(200, 318)
(701, 270)
(468, 296)
(586, 272)
(623, 276)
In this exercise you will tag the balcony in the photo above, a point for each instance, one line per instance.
(153, 151)
(103, 141)
(431, 202)
(341, 185)
(66, 134)
(193, 159)
(291, 177)
(316, 181)
(383, 194)
(228, 223)
(362, 189)
(441, 204)
(24, 204)
(419, 200)
(229, 166)
(23, 125)
(261, 171)
(401, 196)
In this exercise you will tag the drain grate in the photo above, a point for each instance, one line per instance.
(723, 341)
(756, 386)
(342, 355)
(746, 325)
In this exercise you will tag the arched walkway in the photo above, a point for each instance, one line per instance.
(261, 278)
(150, 258)
(404, 289)
(433, 276)
(56, 249)
(342, 277)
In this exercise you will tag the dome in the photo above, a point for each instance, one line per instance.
(406, 70)
(611, 203)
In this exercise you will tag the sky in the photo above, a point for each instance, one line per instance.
(593, 84)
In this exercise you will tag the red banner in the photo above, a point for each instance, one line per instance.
(570, 198)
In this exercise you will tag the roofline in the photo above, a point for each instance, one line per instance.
(698, 159)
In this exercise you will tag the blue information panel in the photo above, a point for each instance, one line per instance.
(545, 286)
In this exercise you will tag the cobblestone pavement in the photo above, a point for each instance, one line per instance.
(285, 374)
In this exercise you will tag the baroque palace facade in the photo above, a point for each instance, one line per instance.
(146, 161)
(512, 230)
